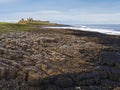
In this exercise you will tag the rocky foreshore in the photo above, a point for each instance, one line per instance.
(50, 59)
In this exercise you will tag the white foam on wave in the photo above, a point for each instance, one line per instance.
(84, 28)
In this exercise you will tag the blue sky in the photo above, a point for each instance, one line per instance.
(62, 11)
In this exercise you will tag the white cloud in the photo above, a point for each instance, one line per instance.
(70, 16)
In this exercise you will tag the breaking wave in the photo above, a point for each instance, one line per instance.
(85, 28)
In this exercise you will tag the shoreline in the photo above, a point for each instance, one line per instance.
(58, 59)
(103, 31)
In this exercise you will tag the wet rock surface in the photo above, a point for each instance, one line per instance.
(49, 59)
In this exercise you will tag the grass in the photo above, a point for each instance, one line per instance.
(11, 27)
(3, 22)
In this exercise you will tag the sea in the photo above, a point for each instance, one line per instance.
(110, 29)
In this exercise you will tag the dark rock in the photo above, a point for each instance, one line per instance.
(117, 60)
(108, 58)
(107, 83)
(64, 81)
(50, 59)
(103, 71)
(80, 77)
(117, 88)
(90, 82)
(53, 87)
(115, 74)
(2, 50)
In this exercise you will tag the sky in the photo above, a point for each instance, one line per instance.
(62, 11)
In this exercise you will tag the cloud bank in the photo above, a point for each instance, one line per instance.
(70, 16)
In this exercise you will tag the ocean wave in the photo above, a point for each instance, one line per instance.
(85, 28)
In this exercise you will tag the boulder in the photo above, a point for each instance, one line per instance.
(108, 58)
(107, 83)
(64, 81)
(11, 72)
(117, 88)
(115, 74)
(33, 78)
(117, 60)
(44, 67)
(2, 50)
(2, 72)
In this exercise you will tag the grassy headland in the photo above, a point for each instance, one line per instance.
(12, 27)
(30, 21)
(24, 25)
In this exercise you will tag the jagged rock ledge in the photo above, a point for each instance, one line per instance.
(49, 59)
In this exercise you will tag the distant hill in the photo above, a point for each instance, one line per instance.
(24, 25)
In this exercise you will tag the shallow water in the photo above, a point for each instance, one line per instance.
(110, 29)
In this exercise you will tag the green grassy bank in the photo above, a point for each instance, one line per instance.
(12, 27)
